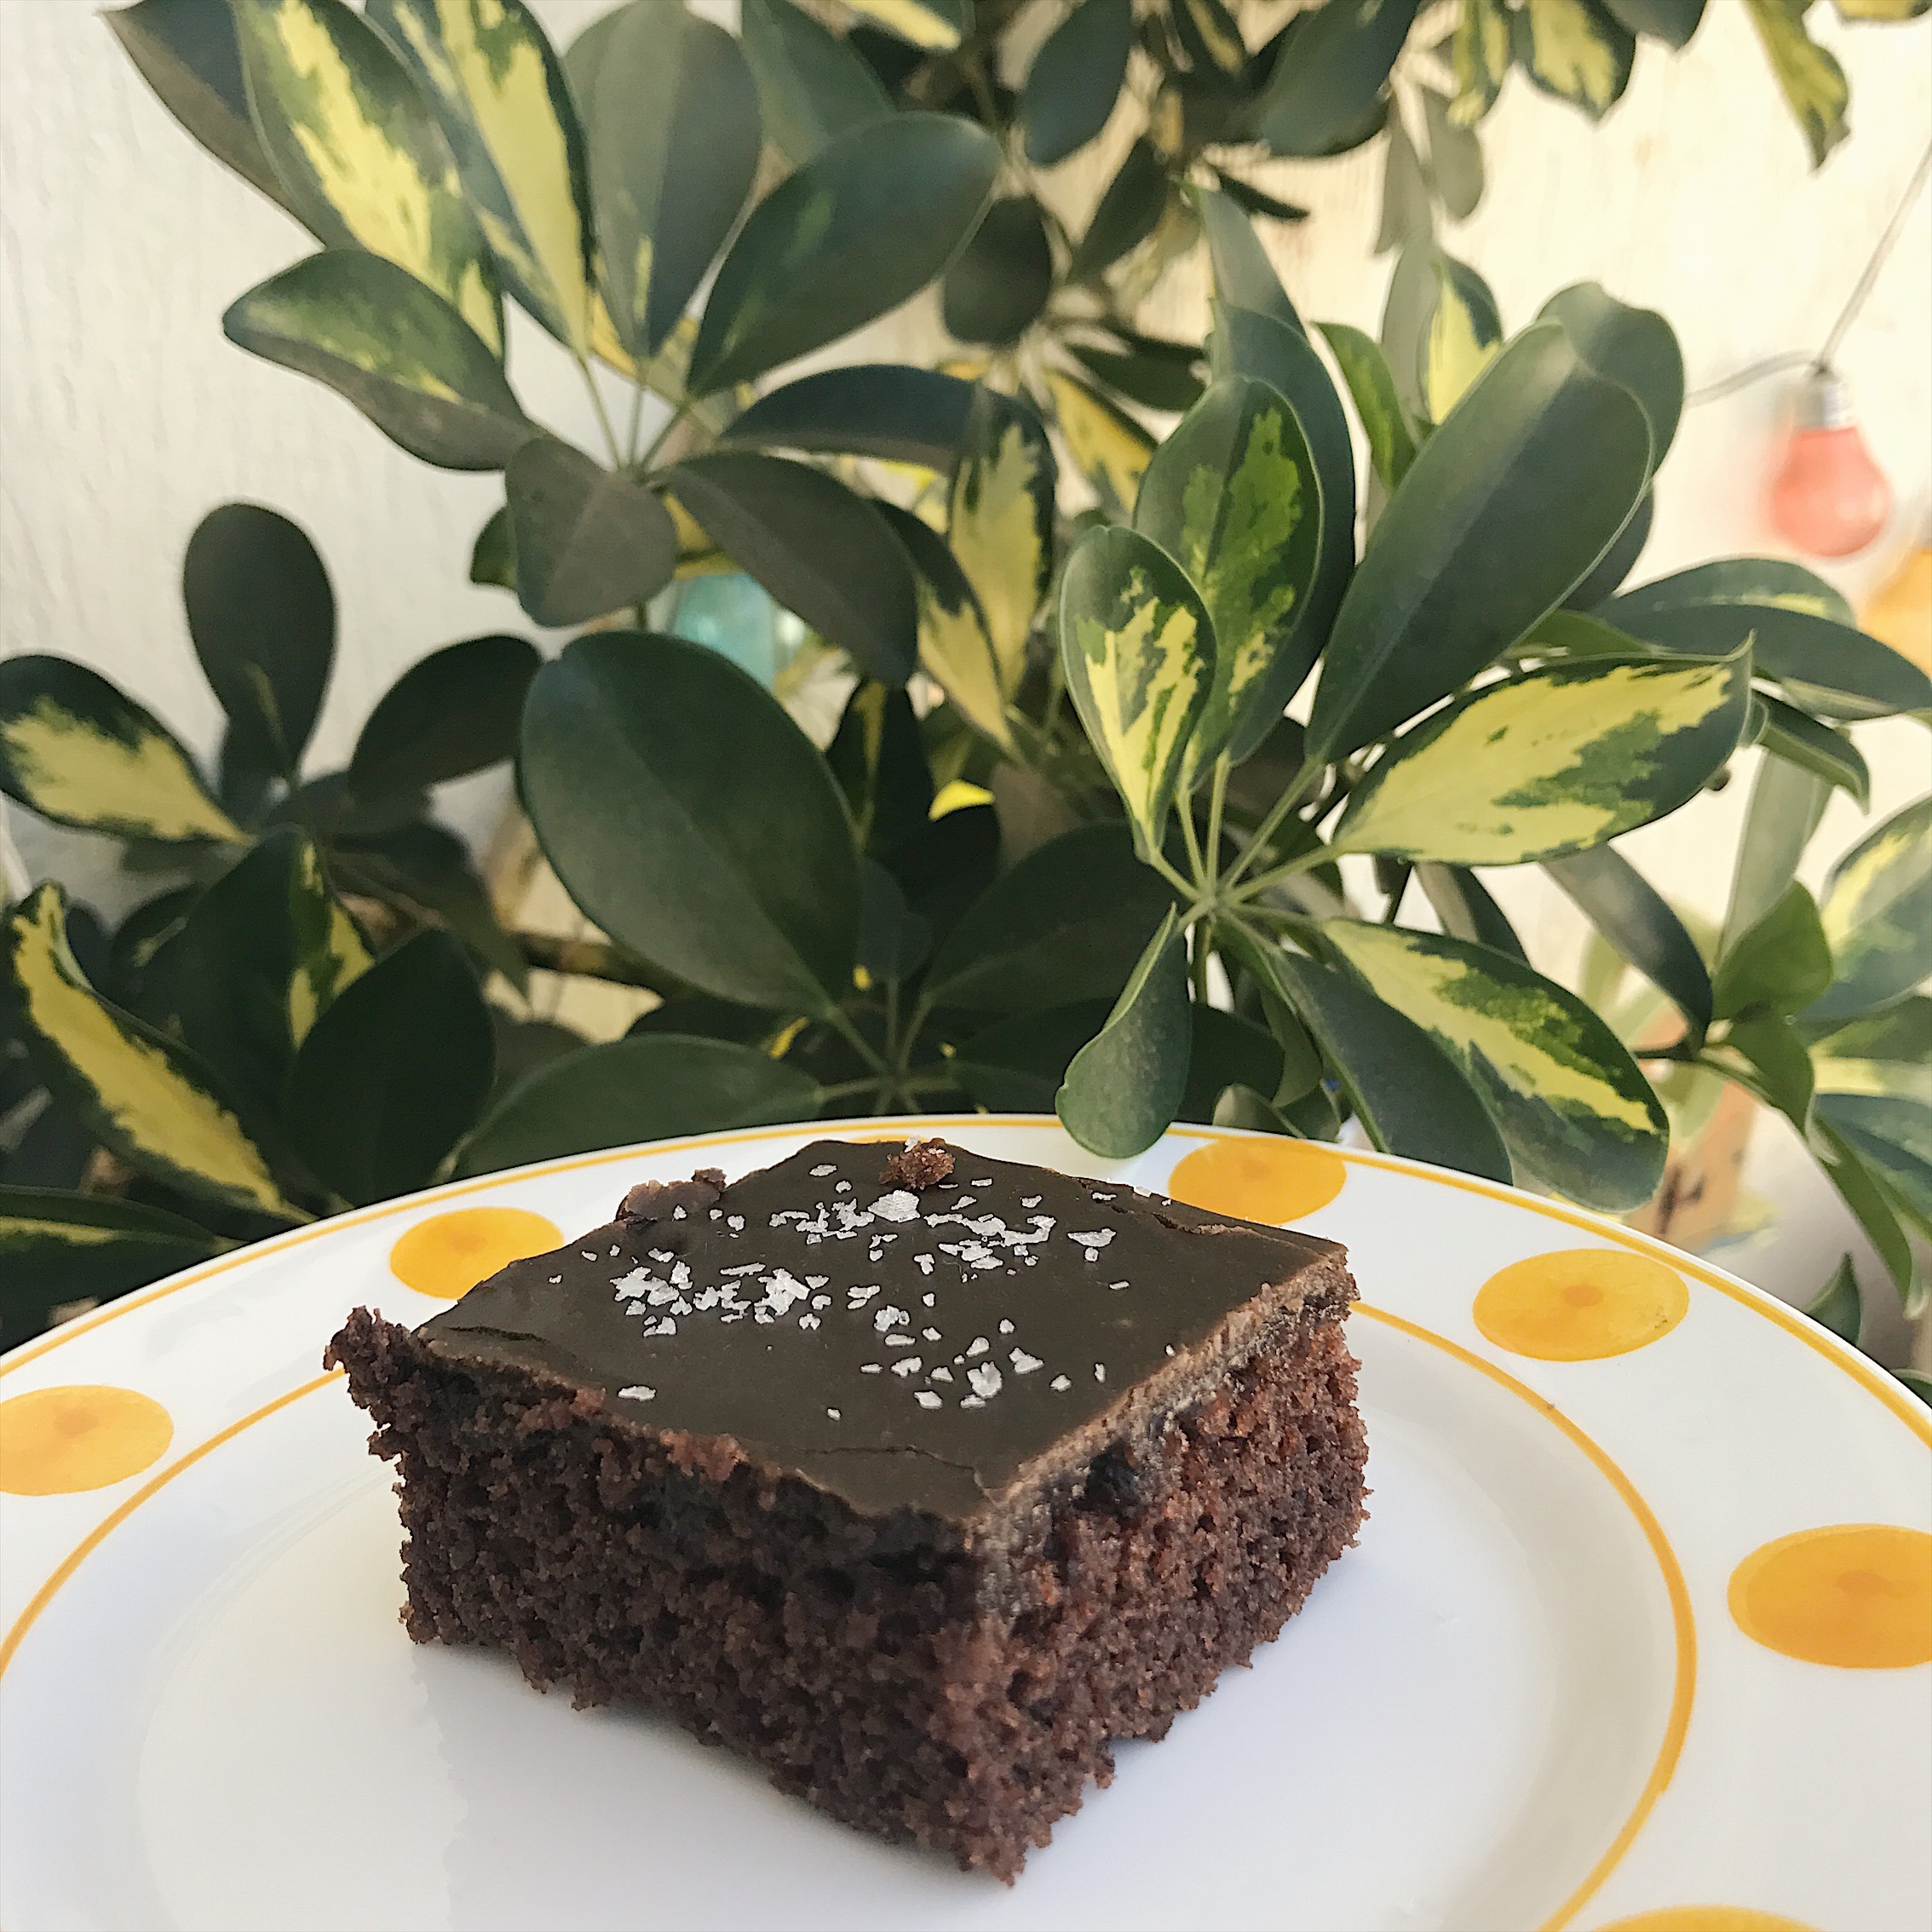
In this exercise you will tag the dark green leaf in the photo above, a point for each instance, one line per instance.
(1244, 277)
(1372, 384)
(450, 714)
(1869, 1200)
(648, 1087)
(1787, 802)
(1069, 923)
(747, 891)
(1409, 1096)
(1247, 344)
(428, 871)
(1233, 496)
(1252, 201)
(1782, 961)
(1137, 649)
(1075, 79)
(1228, 1051)
(712, 1020)
(587, 542)
(492, 557)
(1019, 1064)
(1816, 747)
(1153, 381)
(1129, 212)
(1618, 561)
(871, 409)
(950, 865)
(1455, 156)
(1332, 66)
(1878, 915)
(1125, 1086)
(893, 940)
(186, 51)
(1632, 916)
(1210, 38)
(812, 86)
(1741, 580)
(80, 751)
(673, 149)
(1463, 905)
(1573, 1108)
(1764, 1054)
(879, 760)
(1901, 1033)
(1636, 347)
(263, 621)
(999, 285)
(1837, 1305)
(821, 550)
(1671, 22)
(866, 223)
(1408, 210)
(1893, 1135)
(1502, 513)
(393, 1073)
(393, 347)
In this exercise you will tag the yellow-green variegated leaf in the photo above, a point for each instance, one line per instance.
(58, 1247)
(395, 349)
(79, 750)
(925, 23)
(329, 952)
(1576, 49)
(1465, 337)
(1813, 83)
(1881, 9)
(140, 1094)
(1137, 649)
(1000, 525)
(361, 156)
(499, 92)
(1479, 57)
(955, 648)
(1570, 1101)
(1110, 449)
(1233, 496)
(1559, 761)
(1877, 914)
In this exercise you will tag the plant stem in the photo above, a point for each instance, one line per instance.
(636, 425)
(1191, 839)
(1301, 862)
(1203, 954)
(1217, 802)
(603, 414)
(676, 416)
(840, 1021)
(1291, 796)
(591, 959)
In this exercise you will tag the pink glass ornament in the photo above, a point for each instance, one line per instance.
(1829, 498)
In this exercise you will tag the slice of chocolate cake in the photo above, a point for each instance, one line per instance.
(917, 1477)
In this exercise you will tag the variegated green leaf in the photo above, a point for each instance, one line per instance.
(1577, 51)
(395, 349)
(954, 647)
(924, 23)
(79, 750)
(1000, 525)
(499, 91)
(1233, 496)
(1813, 81)
(1557, 762)
(1137, 649)
(1480, 53)
(1878, 915)
(1770, 581)
(813, 84)
(674, 148)
(1110, 449)
(1439, 329)
(1881, 9)
(1371, 386)
(140, 1093)
(1893, 1135)
(1124, 1088)
(1574, 1109)
(361, 156)
(1886, 1052)
(329, 952)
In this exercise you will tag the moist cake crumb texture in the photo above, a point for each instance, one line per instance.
(870, 1467)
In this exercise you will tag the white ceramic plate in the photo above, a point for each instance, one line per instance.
(1630, 1630)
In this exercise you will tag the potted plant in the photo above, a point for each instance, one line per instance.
(1153, 921)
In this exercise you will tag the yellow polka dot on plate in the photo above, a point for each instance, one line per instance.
(1707, 1918)
(1263, 1180)
(82, 1436)
(1856, 1595)
(1581, 1304)
(448, 1254)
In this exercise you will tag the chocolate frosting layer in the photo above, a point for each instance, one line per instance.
(921, 1346)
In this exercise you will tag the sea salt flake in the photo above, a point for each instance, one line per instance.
(615, 1252)
(1024, 1364)
(928, 1335)
(816, 1281)
(977, 1346)
(820, 1172)
(1117, 1286)
(897, 1206)
(871, 1368)
(835, 1414)
(985, 1380)
(1006, 1328)
(663, 1254)
(1097, 1239)
(907, 1365)
(898, 1340)
(925, 1398)
(639, 1392)
(735, 1222)
(807, 1321)
(843, 1187)
(1029, 1200)
(889, 1317)
(923, 1263)
(971, 1402)
(1100, 1371)
(1060, 1384)
(941, 1374)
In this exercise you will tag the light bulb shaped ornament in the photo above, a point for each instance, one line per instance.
(1829, 498)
